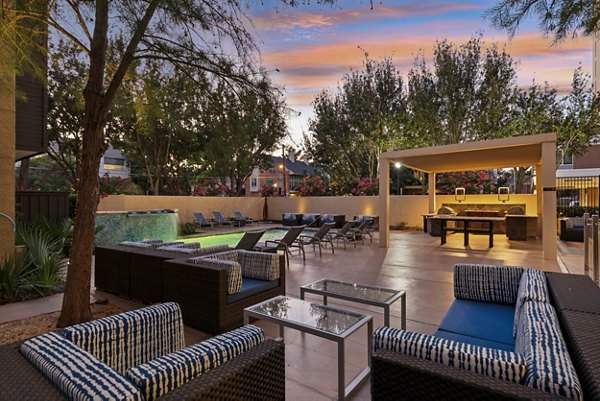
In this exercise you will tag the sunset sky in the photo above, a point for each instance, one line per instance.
(314, 46)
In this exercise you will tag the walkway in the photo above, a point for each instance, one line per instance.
(414, 262)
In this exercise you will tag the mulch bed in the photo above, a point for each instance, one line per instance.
(36, 325)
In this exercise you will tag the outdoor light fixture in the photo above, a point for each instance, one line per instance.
(503, 194)
(460, 194)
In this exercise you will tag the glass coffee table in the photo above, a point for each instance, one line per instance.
(324, 321)
(365, 294)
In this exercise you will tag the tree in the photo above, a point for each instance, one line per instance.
(241, 127)
(559, 19)
(465, 96)
(192, 35)
(159, 122)
(357, 122)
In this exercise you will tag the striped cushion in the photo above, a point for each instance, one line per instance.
(491, 362)
(487, 283)
(131, 338)
(532, 287)
(234, 271)
(260, 265)
(79, 375)
(211, 249)
(190, 245)
(572, 222)
(168, 372)
(549, 366)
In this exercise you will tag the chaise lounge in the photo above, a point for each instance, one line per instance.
(500, 339)
(121, 358)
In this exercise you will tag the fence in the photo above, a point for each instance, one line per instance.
(577, 194)
(31, 205)
(591, 248)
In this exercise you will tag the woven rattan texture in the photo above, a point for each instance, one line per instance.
(396, 376)
(573, 292)
(257, 374)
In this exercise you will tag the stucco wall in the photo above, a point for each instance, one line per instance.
(402, 208)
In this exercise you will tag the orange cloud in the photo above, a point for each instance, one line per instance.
(278, 21)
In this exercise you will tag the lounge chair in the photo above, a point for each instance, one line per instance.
(320, 238)
(283, 244)
(343, 234)
(220, 219)
(249, 240)
(237, 215)
(360, 231)
(202, 221)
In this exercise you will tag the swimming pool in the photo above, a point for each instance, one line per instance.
(232, 239)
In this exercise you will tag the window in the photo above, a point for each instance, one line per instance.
(253, 182)
(113, 163)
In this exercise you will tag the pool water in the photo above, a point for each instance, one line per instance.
(232, 239)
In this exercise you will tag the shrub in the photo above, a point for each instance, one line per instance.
(576, 211)
(400, 226)
(474, 182)
(365, 186)
(188, 228)
(11, 271)
(209, 187)
(117, 186)
(314, 186)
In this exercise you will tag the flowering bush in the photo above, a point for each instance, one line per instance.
(314, 186)
(267, 191)
(365, 186)
(210, 187)
(117, 186)
(474, 182)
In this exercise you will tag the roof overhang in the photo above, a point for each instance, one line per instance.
(481, 155)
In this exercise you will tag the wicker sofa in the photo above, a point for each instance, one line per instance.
(135, 271)
(213, 290)
(121, 358)
(510, 333)
(571, 229)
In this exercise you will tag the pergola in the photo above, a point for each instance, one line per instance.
(534, 150)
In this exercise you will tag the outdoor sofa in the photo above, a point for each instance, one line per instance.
(135, 271)
(140, 355)
(213, 290)
(571, 229)
(511, 333)
(291, 219)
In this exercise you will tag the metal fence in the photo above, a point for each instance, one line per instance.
(591, 248)
(577, 194)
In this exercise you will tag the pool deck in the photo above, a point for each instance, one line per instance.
(415, 262)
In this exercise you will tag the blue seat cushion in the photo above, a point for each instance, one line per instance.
(252, 286)
(483, 320)
(474, 341)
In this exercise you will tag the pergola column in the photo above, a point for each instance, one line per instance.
(384, 202)
(431, 193)
(548, 187)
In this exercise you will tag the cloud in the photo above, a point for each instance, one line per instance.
(282, 21)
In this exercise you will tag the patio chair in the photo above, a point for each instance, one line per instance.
(237, 215)
(360, 231)
(202, 221)
(283, 244)
(343, 234)
(249, 240)
(221, 220)
(320, 238)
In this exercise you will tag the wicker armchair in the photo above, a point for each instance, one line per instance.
(130, 363)
(202, 289)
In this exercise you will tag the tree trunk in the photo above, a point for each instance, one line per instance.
(76, 299)
(23, 182)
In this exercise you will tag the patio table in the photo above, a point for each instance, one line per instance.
(361, 293)
(444, 219)
(324, 321)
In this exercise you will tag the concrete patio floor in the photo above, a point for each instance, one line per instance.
(415, 262)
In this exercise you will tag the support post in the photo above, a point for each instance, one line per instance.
(586, 243)
(595, 249)
(548, 187)
(539, 196)
(431, 193)
(384, 202)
